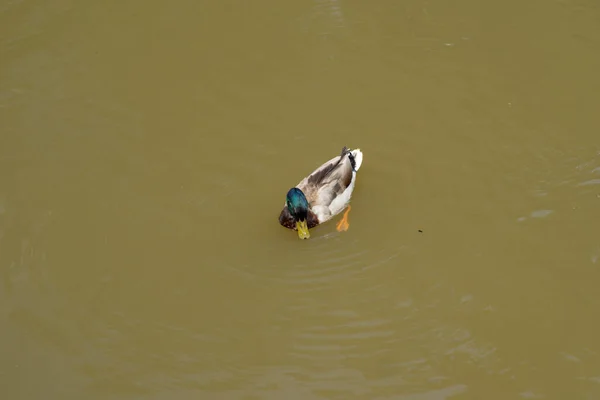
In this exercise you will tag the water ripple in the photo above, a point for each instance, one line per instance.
(314, 267)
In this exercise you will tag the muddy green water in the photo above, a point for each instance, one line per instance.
(146, 148)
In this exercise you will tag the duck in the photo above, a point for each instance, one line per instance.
(323, 194)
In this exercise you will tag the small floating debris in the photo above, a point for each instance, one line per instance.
(420, 231)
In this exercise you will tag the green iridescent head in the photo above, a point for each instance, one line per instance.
(298, 207)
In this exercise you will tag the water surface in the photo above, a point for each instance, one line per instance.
(146, 149)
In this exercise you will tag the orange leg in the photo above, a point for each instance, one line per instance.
(343, 225)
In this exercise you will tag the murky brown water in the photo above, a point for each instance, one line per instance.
(146, 149)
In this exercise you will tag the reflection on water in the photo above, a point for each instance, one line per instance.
(331, 10)
(147, 149)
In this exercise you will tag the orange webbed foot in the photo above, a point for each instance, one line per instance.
(343, 225)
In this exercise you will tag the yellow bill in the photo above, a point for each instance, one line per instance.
(302, 229)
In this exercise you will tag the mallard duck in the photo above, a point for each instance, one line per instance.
(322, 195)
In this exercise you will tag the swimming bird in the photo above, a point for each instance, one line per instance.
(322, 195)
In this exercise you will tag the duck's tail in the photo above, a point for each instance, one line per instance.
(355, 156)
(358, 158)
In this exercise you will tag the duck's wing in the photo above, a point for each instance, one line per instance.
(327, 183)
